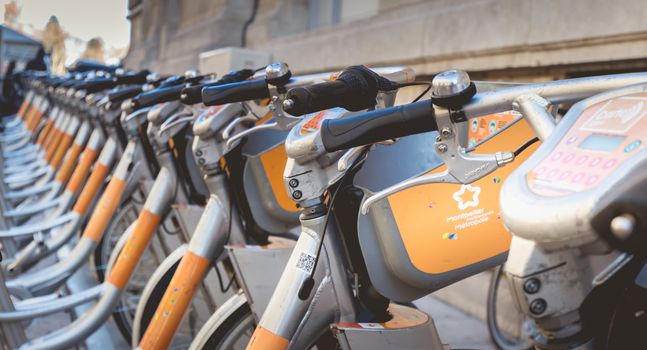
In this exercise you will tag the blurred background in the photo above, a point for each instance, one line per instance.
(525, 40)
(67, 30)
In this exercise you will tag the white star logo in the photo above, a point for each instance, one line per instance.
(458, 196)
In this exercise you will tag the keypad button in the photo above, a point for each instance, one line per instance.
(592, 179)
(563, 176)
(610, 164)
(556, 156)
(568, 158)
(571, 139)
(551, 174)
(595, 161)
(577, 178)
(581, 160)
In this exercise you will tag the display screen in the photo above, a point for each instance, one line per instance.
(602, 143)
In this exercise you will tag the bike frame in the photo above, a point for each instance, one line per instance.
(209, 239)
(291, 322)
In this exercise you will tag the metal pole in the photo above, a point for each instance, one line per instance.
(13, 334)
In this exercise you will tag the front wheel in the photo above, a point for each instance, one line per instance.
(202, 305)
(233, 325)
(234, 332)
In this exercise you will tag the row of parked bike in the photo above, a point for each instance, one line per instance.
(264, 210)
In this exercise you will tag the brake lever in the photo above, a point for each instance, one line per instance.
(226, 133)
(174, 120)
(234, 139)
(462, 166)
(282, 121)
(133, 120)
(347, 159)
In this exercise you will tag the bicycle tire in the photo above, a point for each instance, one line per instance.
(191, 322)
(103, 250)
(496, 334)
(242, 316)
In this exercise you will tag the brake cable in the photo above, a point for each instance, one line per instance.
(224, 289)
(525, 145)
(308, 284)
(417, 83)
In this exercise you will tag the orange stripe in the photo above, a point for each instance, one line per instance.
(53, 141)
(35, 121)
(43, 134)
(175, 302)
(105, 209)
(273, 162)
(62, 148)
(23, 108)
(30, 115)
(71, 158)
(54, 146)
(262, 339)
(50, 137)
(134, 249)
(91, 186)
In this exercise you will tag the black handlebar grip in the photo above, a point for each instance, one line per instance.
(133, 78)
(378, 125)
(70, 83)
(319, 97)
(173, 80)
(98, 84)
(159, 95)
(235, 92)
(118, 96)
(355, 89)
(193, 94)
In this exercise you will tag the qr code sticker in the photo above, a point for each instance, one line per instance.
(306, 262)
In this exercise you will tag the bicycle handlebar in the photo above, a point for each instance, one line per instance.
(120, 95)
(355, 89)
(378, 125)
(159, 95)
(96, 84)
(133, 78)
(193, 94)
(235, 92)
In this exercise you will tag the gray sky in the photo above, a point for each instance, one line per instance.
(84, 19)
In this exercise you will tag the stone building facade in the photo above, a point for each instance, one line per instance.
(493, 39)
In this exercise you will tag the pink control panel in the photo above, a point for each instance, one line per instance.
(604, 136)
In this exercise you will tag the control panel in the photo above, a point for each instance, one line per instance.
(604, 136)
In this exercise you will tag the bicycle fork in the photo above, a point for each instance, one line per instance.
(206, 245)
(293, 319)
